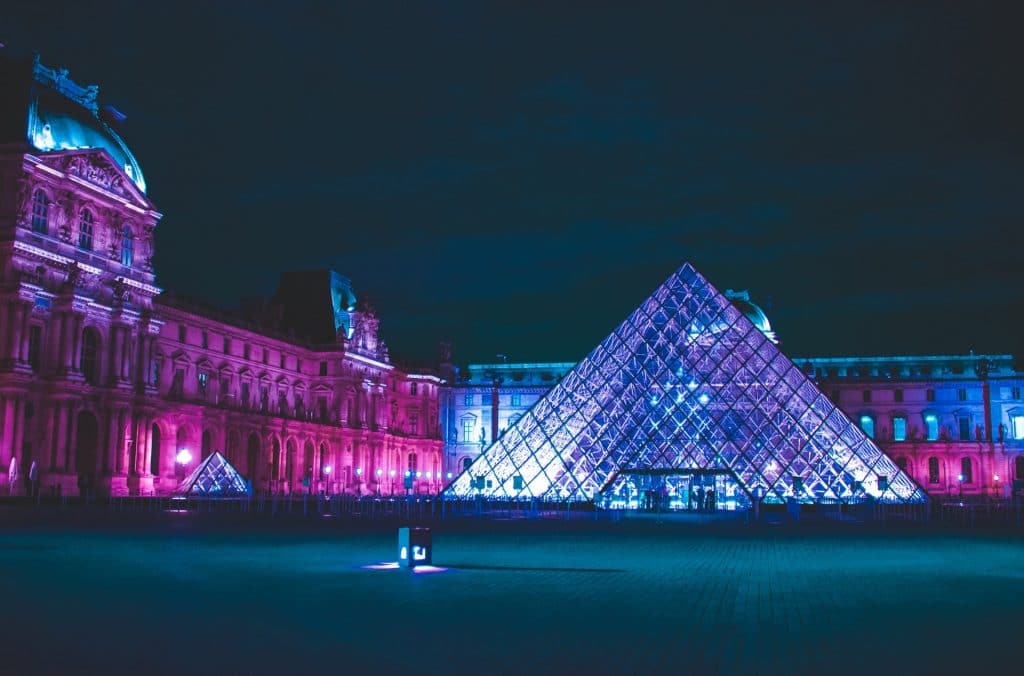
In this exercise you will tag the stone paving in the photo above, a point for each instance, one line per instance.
(697, 600)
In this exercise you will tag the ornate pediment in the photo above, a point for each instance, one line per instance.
(97, 168)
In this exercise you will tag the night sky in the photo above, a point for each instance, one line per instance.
(517, 179)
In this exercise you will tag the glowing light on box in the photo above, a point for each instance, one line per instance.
(184, 457)
(408, 473)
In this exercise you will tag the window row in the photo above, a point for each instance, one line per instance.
(931, 429)
(40, 222)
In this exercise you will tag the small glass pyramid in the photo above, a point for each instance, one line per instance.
(215, 477)
(686, 385)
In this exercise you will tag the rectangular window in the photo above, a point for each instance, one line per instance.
(933, 470)
(961, 394)
(1017, 427)
(245, 395)
(867, 424)
(931, 427)
(35, 342)
(321, 404)
(866, 396)
(298, 365)
(965, 428)
(227, 345)
(467, 431)
(323, 368)
(282, 360)
(266, 355)
(1015, 393)
(225, 389)
(897, 396)
(247, 351)
(204, 378)
(899, 428)
(181, 333)
(414, 423)
(929, 395)
(517, 400)
(412, 388)
(177, 384)
(155, 373)
(468, 400)
(206, 340)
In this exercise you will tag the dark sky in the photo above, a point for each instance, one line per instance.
(517, 179)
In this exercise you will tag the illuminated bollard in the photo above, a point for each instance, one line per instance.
(414, 547)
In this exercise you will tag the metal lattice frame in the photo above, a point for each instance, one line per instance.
(214, 476)
(686, 383)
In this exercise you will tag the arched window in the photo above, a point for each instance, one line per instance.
(85, 223)
(127, 247)
(966, 470)
(40, 212)
(933, 470)
(90, 354)
(867, 425)
(412, 463)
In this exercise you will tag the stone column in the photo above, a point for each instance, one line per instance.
(19, 433)
(7, 436)
(76, 344)
(117, 337)
(70, 459)
(17, 318)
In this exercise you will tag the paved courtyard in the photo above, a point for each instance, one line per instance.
(619, 600)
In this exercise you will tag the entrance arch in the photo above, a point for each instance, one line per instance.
(308, 460)
(86, 444)
(154, 451)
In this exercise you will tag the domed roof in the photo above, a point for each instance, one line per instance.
(65, 116)
(752, 311)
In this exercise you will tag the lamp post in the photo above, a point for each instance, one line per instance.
(960, 479)
(392, 475)
(327, 471)
(182, 459)
(379, 472)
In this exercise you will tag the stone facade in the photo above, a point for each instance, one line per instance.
(105, 381)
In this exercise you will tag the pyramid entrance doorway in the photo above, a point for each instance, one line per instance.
(672, 490)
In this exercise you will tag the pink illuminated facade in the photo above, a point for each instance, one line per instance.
(105, 380)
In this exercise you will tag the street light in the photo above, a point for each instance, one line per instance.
(960, 478)
(327, 471)
(183, 458)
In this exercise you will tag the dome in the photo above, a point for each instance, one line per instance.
(752, 311)
(64, 116)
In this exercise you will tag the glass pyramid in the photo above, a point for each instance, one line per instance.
(216, 477)
(686, 384)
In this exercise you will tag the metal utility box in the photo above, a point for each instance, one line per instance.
(414, 547)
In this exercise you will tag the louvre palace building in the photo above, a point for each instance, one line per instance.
(110, 385)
